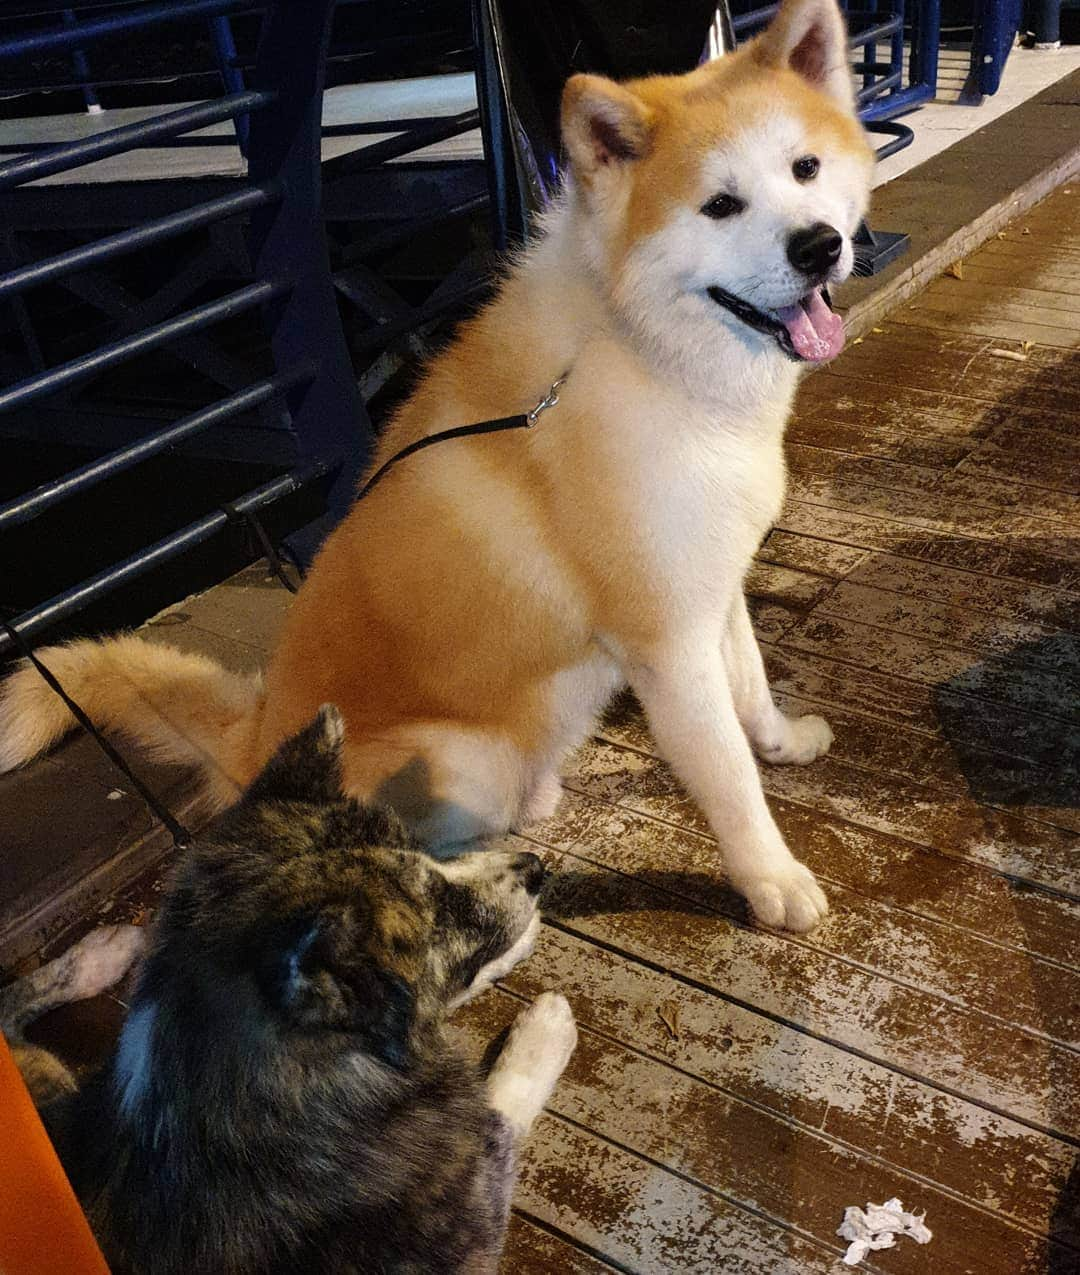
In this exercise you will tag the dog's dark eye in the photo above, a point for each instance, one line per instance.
(721, 206)
(806, 169)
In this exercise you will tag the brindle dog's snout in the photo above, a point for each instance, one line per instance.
(531, 870)
(815, 250)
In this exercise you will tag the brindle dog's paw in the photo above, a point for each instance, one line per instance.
(101, 959)
(545, 1034)
(805, 739)
(535, 1055)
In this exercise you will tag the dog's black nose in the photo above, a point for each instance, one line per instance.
(532, 872)
(814, 250)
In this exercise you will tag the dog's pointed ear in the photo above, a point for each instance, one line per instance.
(313, 972)
(810, 38)
(604, 125)
(306, 767)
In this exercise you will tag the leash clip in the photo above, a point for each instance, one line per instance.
(550, 399)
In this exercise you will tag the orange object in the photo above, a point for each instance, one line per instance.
(42, 1229)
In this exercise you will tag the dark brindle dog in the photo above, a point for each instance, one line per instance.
(283, 1097)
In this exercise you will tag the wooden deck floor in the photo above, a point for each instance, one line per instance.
(734, 1090)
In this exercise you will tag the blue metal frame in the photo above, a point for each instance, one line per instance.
(291, 285)
(995, 27)
(885, 93)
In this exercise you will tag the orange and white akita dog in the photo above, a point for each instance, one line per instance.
(472, 616)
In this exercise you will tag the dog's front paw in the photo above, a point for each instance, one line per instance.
(786, 898)
(533, 1058)
(545, 1034)
(804, 740)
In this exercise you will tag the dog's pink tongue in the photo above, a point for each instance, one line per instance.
(816, 332)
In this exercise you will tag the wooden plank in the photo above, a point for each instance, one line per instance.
(955, 362)
(810, 1084)
(858, 736)
(950, 737)
(1028, 456)
(1011, 323)
(1056, 263)
(1035, 486)
(969, 383)
(928, 509)
(984, 594)
(760, 1161)
(951, 823)
(537, 1252)
(944, 960)
(779, 596)
(1049, 688)
(988, 289)
(866, 437)
(996, 906)
(803, 553)
(1031, 774)
(646, 1220)
(1027, 1077)
(1015, 558)
(952, 624)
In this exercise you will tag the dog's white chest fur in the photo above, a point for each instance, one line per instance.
(692, 487)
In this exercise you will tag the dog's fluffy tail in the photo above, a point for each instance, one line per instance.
(180, 707)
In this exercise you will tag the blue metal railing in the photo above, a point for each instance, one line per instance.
(888, 89)
(278, 119)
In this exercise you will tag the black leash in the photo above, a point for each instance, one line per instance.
(274, 553)
(274, 556)
(177, 831)
(526, 420)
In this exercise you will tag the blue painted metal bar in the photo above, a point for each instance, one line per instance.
(871, 35)
(288, 240)
(35, 502)
(395, 235)
(755, 18)
(70, 155)
(105, 582)
(901, 134)
(877, 86)
(1047, 23)
(896, 103)
(106, 356)
(82, 70)
(59, 39)
(926, 45)
(413, 139)
(221, 34)
(151, 232)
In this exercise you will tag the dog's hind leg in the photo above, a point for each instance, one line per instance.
(775, 737)
(529, 1065)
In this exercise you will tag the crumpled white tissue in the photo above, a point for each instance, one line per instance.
(878, 1227)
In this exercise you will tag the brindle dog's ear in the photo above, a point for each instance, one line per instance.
(318, 977)
(306, 767)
